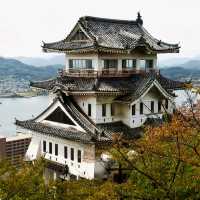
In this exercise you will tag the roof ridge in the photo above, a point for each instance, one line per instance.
(109, 20)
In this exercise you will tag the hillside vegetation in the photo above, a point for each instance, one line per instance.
(18, 70)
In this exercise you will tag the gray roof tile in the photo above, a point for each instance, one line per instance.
(112, 34)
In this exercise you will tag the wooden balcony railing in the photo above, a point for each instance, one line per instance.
(111, 72)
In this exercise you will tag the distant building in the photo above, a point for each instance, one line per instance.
(110, 85)
(14, 148)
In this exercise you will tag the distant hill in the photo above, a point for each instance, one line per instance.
(42, 61)
(172, 62)
(16, 69)
(190, 69)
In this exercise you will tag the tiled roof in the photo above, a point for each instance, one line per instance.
(66, 133)
(144, 83)
(119, 128)
(118, 84)
(112, 34)
(94, 133)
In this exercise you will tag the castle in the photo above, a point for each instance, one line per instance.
(110, 85)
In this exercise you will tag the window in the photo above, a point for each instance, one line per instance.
(159, 106)
(79, 156)
(142, 64)
(129, 64)
(44, 146)
(141, 108)
(103, 110)
(80, 64)
(152, 106)
(133, 109)
(149, 64)
(65, 152)
(166, 103)
(72, 153)
(50, 147)
(56, 149)
(110, 63)
(112, 109)
(89, 110)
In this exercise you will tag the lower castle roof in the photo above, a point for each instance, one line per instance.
(100, 84)
(93, 133)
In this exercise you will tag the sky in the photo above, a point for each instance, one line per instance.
(24, 24)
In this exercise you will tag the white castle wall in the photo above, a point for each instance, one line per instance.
(85, 169)
(123, 111)
(98, 59)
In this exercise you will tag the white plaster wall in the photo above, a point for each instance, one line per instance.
(123, 111)
(108, 101)
(83, 102)
(85, 169)
(138, 119)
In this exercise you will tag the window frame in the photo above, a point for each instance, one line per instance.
(129, 63)
(149, 63)
(141, 108)
(159, 106)
(72, 154)
(50, 147)
(110, 63)
(89, 109)
(79, 156)
(133, 109)
(104, 110)
(56, 149)
(65, 152)
(80, 64)
(166, 104)
(44, 146)
(112, 109)
(152, 106)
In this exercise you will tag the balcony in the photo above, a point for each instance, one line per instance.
(111, 72)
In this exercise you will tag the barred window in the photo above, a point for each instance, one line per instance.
(152, 106)
(89, 110)
(65, 152)
(103, 110)
(79, 156)
(141, 108)
(50, 147)
(159, 106)
(80, 64)
(44, 146)
(112, 109)
(149, 64)
(129, 63)
(72, 153)
(110, 63)
(133, 109)
(56, 149)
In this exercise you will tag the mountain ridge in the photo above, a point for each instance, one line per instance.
(10, 67)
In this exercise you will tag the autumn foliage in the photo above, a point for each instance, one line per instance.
(165, 164)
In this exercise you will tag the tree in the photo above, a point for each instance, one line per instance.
(167, 163)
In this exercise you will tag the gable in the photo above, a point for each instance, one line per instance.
(154, 93)
(59, 116)
(79, 35)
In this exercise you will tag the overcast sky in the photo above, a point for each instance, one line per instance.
(24, 24)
